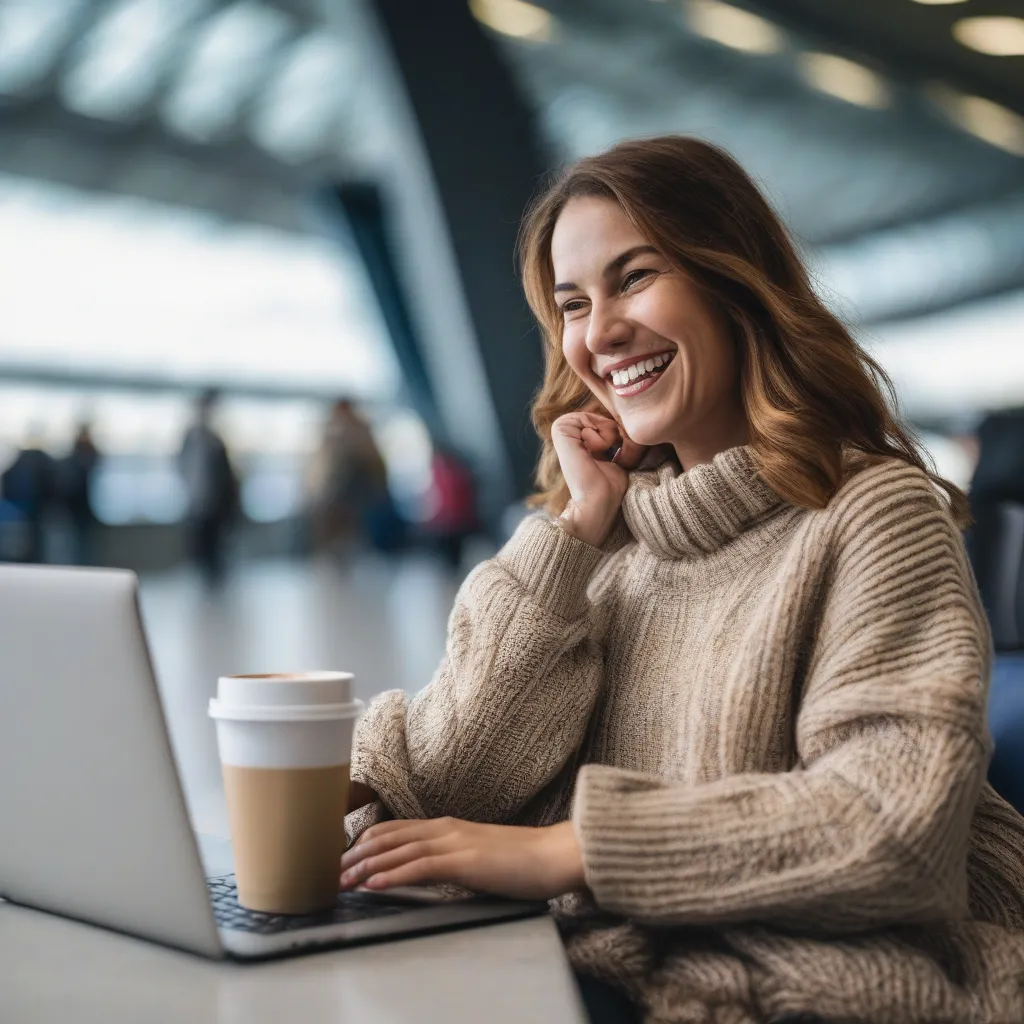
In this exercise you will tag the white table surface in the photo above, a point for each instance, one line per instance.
(55, 971)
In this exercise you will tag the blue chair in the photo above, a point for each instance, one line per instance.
(996, 543)
(1006, 723)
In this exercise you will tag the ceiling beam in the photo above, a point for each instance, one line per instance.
(979, 200)
(50, 376)
(940, 304)
(236, 180)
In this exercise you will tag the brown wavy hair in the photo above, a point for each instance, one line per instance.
(812, 396)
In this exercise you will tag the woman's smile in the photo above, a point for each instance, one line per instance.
(639, 375)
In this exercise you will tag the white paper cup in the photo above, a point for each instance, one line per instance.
(285, 741)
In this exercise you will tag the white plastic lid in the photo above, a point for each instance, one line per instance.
(290, 689)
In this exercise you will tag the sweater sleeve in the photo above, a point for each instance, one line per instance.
(872, 826)
(509, 704)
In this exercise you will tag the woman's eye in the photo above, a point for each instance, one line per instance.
(572, 306)
(633, 277)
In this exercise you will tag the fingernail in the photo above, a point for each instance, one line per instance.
(374, 882)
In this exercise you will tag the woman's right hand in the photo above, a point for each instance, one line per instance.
(597, 483)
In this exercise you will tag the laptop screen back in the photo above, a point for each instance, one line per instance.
(93, 824)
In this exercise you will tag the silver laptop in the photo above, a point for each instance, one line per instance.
(93, 821)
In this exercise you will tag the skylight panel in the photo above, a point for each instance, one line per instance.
(32, 33)
(225, 68)
(297, 113)
(123, 55)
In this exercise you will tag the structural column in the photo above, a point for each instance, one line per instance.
(462, 160)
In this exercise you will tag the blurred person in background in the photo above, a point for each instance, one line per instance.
(27, 486)
(350, 503)
(724, 700)
(212, 489)
(452, 505)
(74, 476)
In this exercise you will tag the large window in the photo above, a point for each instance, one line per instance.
(117, 311)
(117, 287)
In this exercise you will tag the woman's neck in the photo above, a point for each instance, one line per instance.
(715, 435)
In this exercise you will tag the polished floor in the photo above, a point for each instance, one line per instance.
(383, 620)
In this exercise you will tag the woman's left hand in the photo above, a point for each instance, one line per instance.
(504, 860)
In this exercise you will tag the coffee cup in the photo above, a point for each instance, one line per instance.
(285, 741)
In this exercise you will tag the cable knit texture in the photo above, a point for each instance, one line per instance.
(767, 726)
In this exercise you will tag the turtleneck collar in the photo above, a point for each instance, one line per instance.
(686, 515)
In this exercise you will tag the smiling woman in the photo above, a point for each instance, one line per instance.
(727, 704)
(714, 275)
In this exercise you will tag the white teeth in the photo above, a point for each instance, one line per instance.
(620, 378)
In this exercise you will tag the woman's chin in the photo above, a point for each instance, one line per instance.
(648, 434)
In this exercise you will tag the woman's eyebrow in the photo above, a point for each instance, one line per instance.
(616, 264)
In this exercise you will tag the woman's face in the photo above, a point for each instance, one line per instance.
(641, 335)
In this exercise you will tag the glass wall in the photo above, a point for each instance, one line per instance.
(119, 311)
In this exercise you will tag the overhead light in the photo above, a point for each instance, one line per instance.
(996, 125)
(734, 27)
(939, 3)
(845, 79)
(515, 18)
(997, 37)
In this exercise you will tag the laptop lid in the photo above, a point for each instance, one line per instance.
(92, 816)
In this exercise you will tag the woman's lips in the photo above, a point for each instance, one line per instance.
(642, 384)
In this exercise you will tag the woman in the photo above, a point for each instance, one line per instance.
(730, 696)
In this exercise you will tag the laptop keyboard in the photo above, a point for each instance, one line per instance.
(350, 906)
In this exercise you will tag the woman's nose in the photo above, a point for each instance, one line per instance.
(606, 331)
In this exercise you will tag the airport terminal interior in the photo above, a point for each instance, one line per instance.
(284, 230)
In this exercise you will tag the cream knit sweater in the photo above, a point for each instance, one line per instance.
(767, 725)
